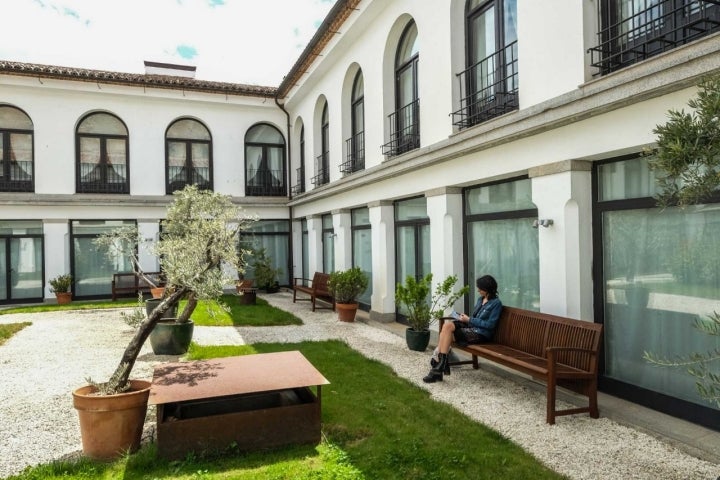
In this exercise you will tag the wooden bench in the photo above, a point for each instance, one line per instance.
(128, 282)
(317, 288)
(560, 351)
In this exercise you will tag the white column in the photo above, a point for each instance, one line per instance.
(382, 222)
(444, 208)
(315, 263)
(562, 193)
(343, 239)
(56, 240)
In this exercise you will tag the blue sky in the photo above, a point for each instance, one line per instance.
(242, 41)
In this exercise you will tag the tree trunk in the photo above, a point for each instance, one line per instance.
(120, 377)
(189, 308)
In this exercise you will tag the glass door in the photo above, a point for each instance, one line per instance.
(25, 268)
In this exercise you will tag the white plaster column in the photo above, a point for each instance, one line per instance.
(56, 233)
(315, 264)
(444, 208)
(562, 193)
(382, 223)
(343, 239)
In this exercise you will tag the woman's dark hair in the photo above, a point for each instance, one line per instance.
(487, 283)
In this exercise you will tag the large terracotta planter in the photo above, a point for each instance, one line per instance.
(170, 337)
(111, 425)
(346, 311)
(63, 297)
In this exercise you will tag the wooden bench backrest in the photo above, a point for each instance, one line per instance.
(320, 282)
(124, 280)
(532, 332)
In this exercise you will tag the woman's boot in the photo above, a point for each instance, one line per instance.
(436, 373)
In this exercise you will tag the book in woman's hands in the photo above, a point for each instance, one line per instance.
(455, 315)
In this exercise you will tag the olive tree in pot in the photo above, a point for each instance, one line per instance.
(199, 239)
(421, 309)
(346, 286)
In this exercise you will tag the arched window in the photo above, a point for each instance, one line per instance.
(322, 162)
(355, 145)
(264, 161)
(16, 150)
(490, 80)
(188, 156)
(102, 155)
(405, 121)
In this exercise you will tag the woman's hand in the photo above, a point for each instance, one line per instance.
(464, 318)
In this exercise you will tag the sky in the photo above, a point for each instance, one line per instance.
(254, 42)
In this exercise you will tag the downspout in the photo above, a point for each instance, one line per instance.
(291, 260)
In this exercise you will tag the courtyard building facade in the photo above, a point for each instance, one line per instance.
(465, 137)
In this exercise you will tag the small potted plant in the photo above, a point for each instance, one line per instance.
(60, 286)
(346, 286)
(266, 277)
(422, 309)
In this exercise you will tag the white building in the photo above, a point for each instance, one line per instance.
(465, 137)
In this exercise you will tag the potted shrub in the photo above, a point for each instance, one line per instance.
(60, 286)
(266, 277)
(199, 239)
(422, 309)
(346, 286)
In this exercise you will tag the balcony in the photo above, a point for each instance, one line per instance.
(404, 130)
(322, 172)
(299, 187)
(355, 159)
(16, 176)
(489, 88)
(265, 182)
(179, 177)
(102, 178)
(630, 33)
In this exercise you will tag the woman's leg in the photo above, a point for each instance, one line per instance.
(446, 337)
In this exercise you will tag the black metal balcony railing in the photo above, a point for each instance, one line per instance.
(265, 183)
(322, 172)
(355, 159)
(16, 176)
(634, 31)
(299, 187)
(180, 177)
(103, 178)
(489, 88)
(404, 130)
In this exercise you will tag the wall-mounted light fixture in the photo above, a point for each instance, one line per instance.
(543, 222)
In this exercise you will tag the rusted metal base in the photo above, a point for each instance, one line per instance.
(251, 402)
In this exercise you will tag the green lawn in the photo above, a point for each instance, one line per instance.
(7, 330)
(75, 305)
(376, 425)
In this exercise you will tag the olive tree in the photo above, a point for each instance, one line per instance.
(199, 248)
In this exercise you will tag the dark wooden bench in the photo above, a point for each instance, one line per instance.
(560, 351)
(317, 288)
(129, 283)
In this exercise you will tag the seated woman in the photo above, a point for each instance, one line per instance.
(476, 328)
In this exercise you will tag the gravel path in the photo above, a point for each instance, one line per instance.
(43, 363)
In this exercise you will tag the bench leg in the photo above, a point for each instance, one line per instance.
(476, 365)
(592, 395)
(294, 295)
(313, 302)
(551, 388)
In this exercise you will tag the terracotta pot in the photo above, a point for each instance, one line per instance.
(346, 311)
(241, 285)
(63, 297)
(111, 425)
(157, 292)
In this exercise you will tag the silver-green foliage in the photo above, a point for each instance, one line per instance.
(705, 367)
(687, 156)
(423, 309)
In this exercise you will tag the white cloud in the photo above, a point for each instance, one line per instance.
(244, 41)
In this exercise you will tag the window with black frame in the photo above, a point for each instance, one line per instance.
(264, 162)
(188, 156)
(274, 237)
(102, 155)
(489, 84)
(322, 161)
(16, 150)
(362, 249)
(21, 261)
(412, 241)
(328, 243)
(630, 31)
(405, 120)
(299, 186)
(355, 145)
